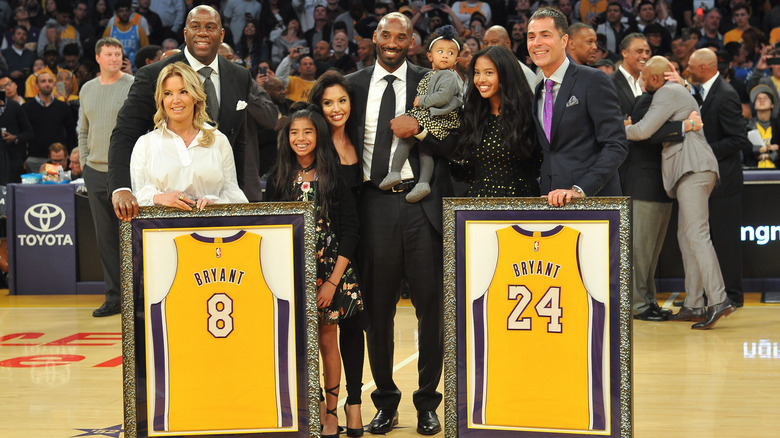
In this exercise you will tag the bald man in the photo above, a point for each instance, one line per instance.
(690, 172)
(582, 44)
(724, 128)
(498, 36)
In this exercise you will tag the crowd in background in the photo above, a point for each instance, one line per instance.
(295, 41)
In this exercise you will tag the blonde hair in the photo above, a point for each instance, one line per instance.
(194, 87)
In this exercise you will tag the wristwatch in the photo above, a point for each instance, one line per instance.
(578, 190)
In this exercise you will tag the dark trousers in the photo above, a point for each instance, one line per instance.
(725, 224)
(106, 228)
(399, 242)
(353, 349)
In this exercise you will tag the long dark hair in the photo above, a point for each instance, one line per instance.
(326, 161)
(325, 81)
(517, 129)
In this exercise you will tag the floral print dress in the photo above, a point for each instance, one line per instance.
(347, 300)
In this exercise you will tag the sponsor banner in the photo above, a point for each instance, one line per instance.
(42, 239)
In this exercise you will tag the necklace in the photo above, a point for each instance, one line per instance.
(304, 170)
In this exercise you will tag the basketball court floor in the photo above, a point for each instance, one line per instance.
(62, 377)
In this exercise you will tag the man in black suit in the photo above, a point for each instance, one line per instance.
(640, 178)
(399, 240)
(577, 117)
(724, 128)
(203, 34)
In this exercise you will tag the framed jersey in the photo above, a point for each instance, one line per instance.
(219, 322)
(537, 321)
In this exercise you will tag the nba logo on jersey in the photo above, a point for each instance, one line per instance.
(536, 246)
(219, 252)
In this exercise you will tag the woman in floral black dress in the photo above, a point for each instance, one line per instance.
(308, 169)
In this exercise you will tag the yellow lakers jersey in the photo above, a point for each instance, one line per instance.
(533, 365)
(216, 366)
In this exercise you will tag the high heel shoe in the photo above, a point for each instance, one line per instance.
(332, 391)
(352, 432)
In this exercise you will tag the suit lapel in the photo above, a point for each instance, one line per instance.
(564, 94)
(227, 91)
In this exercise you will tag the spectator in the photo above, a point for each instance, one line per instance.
(366, 54)
(474, 44)
(764, 155)
(100, 16)
(51, 122)
(366, 27)
(741, 14)
(33, 32)
(658, 39)
(710, 33)
(169, 44)
(767, 71)
(71, 57)
(172, 13)
(519, 43)
(51, 58)
(342, 54)
(613, 28)
(147, 55)
(565, 6)
(664, 17)
(237, 14)
(155, 26)
(132, 35)
(349, 18)
(15, 136)
(58, 156)
(333, 9)
(464, 9)
(87, 35)
(645, 15)
(323, 58)
(497, 36)
(11, 90)
(297, 87)
(65, 32)
(291, 37)
(321, 30)
(75, 165)
(18, 57)
(267, 136)
(274, 16)
(250, 46)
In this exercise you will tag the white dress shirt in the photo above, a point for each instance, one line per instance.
(634, 84)
(705, 87)
(376, 89)
(161, 163)
(215, 77)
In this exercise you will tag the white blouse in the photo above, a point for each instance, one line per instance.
(161, 163)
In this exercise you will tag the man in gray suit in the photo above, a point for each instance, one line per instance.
(690, 172)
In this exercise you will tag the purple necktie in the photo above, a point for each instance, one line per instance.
(548, 107)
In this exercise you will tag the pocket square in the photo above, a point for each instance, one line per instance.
(240, 105)
(572, 101)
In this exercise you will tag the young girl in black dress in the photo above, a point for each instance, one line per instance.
(498, 143)
(308, 169)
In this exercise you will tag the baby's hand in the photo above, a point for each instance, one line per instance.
(417, 101)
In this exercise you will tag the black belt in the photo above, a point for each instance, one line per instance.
(403, 186)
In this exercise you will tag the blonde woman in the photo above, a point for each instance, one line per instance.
(184, 162)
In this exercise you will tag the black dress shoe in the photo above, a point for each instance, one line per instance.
(428, 423)
(383, 421)
(714, 313)
(661, 310)
(107, 309)
(651, 314)
(678, 303)
(689, 314)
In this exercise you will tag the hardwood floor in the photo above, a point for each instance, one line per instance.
(723, 382)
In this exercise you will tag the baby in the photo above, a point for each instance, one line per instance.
(435, 108)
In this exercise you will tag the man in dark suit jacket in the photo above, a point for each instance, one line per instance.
(724, 128)
(640, 178)
(587, 141)
(203, 34)
(399, 239)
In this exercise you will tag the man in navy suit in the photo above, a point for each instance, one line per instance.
(578, 118)
(399, 239)
(203, 34)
